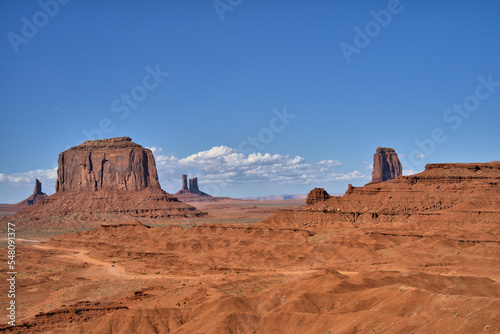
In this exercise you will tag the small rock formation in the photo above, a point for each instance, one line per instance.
(115, 163)
(36, 197)
(193, 193)
(193, 186)
(317, 195)
(109, 177)
(38, 188)
(386, 165)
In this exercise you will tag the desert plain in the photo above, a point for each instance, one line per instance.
(411, 254)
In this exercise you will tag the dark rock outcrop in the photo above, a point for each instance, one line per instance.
(184, 182)
(317, 195)
(386, 165)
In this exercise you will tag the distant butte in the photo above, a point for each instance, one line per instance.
(386, 165)
(193, 193)
(36, 197)
(109, 177)
(193, 187)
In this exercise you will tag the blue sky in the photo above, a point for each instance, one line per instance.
(194, 80)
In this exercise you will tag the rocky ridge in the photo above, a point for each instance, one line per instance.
(444, 193)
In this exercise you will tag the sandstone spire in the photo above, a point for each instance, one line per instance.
(193, 185)
(38, 188)
(192, 193)
(386, 165)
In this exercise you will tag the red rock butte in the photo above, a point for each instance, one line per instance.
(116, 163)
(386, 165)
(110, 176)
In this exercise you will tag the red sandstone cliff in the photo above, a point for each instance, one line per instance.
(115, 163)
(440, 186)
(448, 193)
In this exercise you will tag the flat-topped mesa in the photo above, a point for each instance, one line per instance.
(112, 164)
(461, 170)
(386, 165)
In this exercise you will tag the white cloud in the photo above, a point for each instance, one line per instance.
(223, 166)
(350, 176)
(369, 165)
(29, 177)
(330, 163)
(155, 149)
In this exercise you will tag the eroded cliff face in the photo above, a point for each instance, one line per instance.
(386, 165)
(457, 187)
(112, 164)
(317, 195)
(457, 193)
(105, 178)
